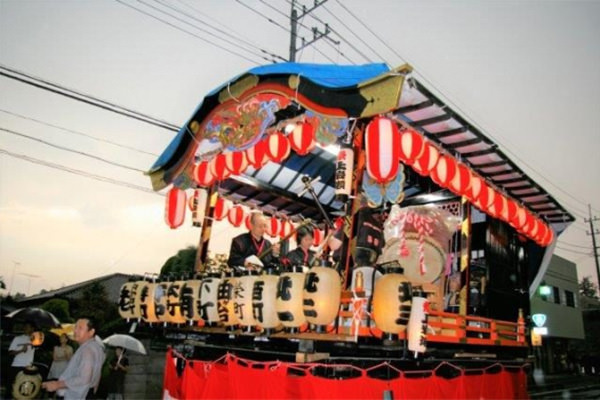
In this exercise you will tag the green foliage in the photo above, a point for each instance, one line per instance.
(587, 288)
(181, 264)
(58, 307)
(94, 302)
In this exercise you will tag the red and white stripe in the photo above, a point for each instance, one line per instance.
(175, 205)
(427, 160)
(202, 174)
(382, 145)
(257, 154)
(411, 146)
(236, 215)
(218, 167)
(278, 147)
(303, 139)
(236, 162)
(221, 208)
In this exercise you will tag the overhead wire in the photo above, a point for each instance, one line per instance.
(228, 31)
(430, 83)
(188, 32)
(199, 28)
(79, 172)
(63, 91)
(78, 133)
(342, 38)
(81, 153)
(352, 31)
(263, 16)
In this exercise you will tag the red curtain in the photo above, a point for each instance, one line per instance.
(232, 377)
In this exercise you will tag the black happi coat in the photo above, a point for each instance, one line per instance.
(297, 257)
(243, 246)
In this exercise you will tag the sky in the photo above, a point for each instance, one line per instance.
(525, 72)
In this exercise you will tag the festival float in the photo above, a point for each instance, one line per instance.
(429, 242)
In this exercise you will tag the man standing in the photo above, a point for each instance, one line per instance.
(81, 378)
(22, 351)
(252, 243)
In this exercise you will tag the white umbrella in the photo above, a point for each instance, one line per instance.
(126, 342)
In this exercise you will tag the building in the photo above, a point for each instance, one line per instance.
(557, 298)
(112, 284)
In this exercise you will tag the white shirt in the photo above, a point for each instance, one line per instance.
(83, 371)
(22, 359)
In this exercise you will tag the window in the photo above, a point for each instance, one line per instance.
(570, 298)
(556, 294)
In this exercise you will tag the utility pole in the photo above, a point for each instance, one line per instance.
(593, 233)
(294, 18)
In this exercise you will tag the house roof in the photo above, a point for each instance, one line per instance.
(66, 290)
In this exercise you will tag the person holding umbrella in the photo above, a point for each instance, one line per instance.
(116, 379)
(81, 377)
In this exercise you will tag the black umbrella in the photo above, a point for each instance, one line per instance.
(40, 318)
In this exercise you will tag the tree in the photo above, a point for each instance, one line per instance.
(94, 302)
(182, 263)
(587, 288)
(60, 309)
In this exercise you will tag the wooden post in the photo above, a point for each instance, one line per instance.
(349, 219)
(209, 211)
(465, 254)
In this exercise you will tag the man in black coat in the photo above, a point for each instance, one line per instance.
(253, 243)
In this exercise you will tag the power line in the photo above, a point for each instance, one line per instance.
(356, 35)
(78, 172)
(197, 27)
(79, 133)
(541, 175)
(263, 16)
(339, 35)
(370, 30)
(56, 146)
(63, 91)
(226, 32)
(575, 251)
(188, 32)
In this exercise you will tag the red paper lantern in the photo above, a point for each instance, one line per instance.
(382, 147)
(175, 204)
(247, 221)
(236, 162)
(541, 234)
(236, 215)
(474, 190)
(318, 236)
(462, 179)
(257, 154)
(278, 147)
(485, 198)
(221, 208)
(411, 146)
(496, 209)
(427, 160)
(511, 210)
(218, 167)
(519, 218)
(286, 228)
(444, 170)
(273, 227)
(202, 174)
(302, 138)
(529, 222)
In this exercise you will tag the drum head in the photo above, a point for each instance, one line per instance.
(435, 258)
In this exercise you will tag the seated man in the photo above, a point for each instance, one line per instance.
(253, 243)
(302, 255)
